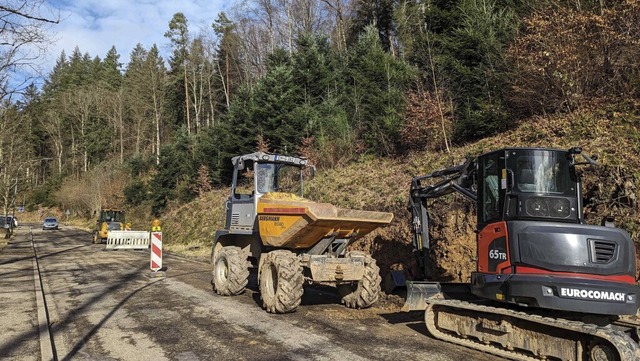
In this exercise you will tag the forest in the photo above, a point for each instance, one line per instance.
(337, 81)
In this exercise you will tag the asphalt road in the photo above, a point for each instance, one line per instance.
(106, 305)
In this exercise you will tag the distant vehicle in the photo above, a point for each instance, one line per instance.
(109, 220)
(50, 223)
(6, 222)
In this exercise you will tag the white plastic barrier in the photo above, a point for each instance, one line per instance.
(127, 240)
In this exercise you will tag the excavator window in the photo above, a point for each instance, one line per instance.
(490, 189)
(244, 182)
(542, 173)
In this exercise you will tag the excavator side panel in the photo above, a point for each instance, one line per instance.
(493, 249)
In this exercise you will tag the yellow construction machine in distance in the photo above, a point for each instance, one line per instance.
(108, 220)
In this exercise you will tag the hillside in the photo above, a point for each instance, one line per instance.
(382, 184)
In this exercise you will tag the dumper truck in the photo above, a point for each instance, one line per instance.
(291, 239)
(108, 220)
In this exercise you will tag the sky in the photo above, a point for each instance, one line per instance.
(96, 25)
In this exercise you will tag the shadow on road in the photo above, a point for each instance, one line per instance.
(313, 294)
(79, 310)
(413, 320)
(118, 284)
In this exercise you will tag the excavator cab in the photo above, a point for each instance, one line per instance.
(533, 246)
(534, 184)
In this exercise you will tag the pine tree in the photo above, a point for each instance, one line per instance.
(375, 102)
(178, 35)
(228, 60)
(111, 74)
(176, 173)
(376, 13)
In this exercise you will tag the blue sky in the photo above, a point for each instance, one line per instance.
(96, 25)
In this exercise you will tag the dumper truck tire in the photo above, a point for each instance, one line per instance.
(230, 271)
(95, 238)
(367, 291)
(281, 281)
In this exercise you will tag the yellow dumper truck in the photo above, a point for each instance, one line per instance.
(291, 239)
(108, 220)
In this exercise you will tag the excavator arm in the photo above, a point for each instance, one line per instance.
(459, 179)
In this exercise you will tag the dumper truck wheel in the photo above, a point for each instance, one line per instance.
(366, 292)
(95, 237)
(230, 271)
(281, 282)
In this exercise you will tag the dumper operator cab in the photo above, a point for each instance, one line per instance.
(255, 175)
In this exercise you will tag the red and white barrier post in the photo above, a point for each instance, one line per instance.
(156, 251)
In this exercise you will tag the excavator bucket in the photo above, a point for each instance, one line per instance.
(418, 293)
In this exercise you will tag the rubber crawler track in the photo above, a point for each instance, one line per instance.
(627, 348)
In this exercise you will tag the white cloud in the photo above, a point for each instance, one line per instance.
(96, 25)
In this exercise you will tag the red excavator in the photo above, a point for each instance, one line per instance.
(547, 285)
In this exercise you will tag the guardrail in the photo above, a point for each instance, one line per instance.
(127, 240)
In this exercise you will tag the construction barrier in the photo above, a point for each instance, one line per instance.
(156, 251)
(127, 240)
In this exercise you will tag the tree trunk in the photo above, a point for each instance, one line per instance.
(186, 99)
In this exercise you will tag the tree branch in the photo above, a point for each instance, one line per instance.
(27, 16)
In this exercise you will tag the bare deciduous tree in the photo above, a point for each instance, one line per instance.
(24, 26)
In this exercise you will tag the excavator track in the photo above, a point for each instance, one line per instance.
(523, 336)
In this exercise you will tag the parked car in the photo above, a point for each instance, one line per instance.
(50, 223)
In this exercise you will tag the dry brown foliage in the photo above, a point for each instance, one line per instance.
(99, 188)
(308, 151)
(423, 123)
(330, 154)
(262, 144)
(203, 183)
(563, 57)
